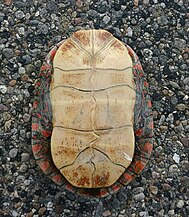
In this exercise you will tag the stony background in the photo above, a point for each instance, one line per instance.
(158, 31)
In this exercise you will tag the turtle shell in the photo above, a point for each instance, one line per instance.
(92, 126)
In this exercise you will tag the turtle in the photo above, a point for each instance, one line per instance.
(92, 122)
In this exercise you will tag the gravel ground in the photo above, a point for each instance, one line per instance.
(158, 32)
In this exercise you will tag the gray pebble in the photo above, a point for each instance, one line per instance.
(106, 19)
(21, 31)
(23, 168)
(26, 117)
(173, 168)
(186, 81)
(8, 52)
(13, 152)
(181, 107)
(180, 203)
(162, 20)
(3, 89)
(174, 84)
(19, 15)
(139, 196)
(25, 157)
(179, 43)
(21, 70)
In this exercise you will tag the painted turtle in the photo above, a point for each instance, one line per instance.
(92, 123)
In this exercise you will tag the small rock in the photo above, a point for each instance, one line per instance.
(26, 117)
(24, 77)
(106, 213)
(3, 89)
(180, 203)
(162, 20)
(184, 141)
(12, 83)
(49, 204)
(185, 181)
(106, 19)
(14, 213)
(8, 2)
(8, 52)
(31, 68)
(27, 182)
(3, 107)
(171, 212)
(8, 125)
(21, 31)
(165, 186)
(143, 214)
(174, 84)
(129, 32)
(181, 107)
(176, 158)
(173, 168)
(153, 189)
(25, 157)
(19, 15)
(146, 2)
(186, 81)
(13, 152)
(52, 6)
(42, 210)
(23, 168)
(139, 196)
(179, 43)
(21, 70)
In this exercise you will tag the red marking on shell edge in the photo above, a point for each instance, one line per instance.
(146, 84)
(139, 166)
(53, 52)
(35, 104)
(103, 193)
(44, 165)
(44, 67)
(151, 125)
(69, 187)
(127, 177)
(46, 133)
(138, 132)
(39, 115)
(116, 187)
(57, 178)
(35, 126)
(148, 147)
(149, 104)
(37, 84)
(36, 148)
